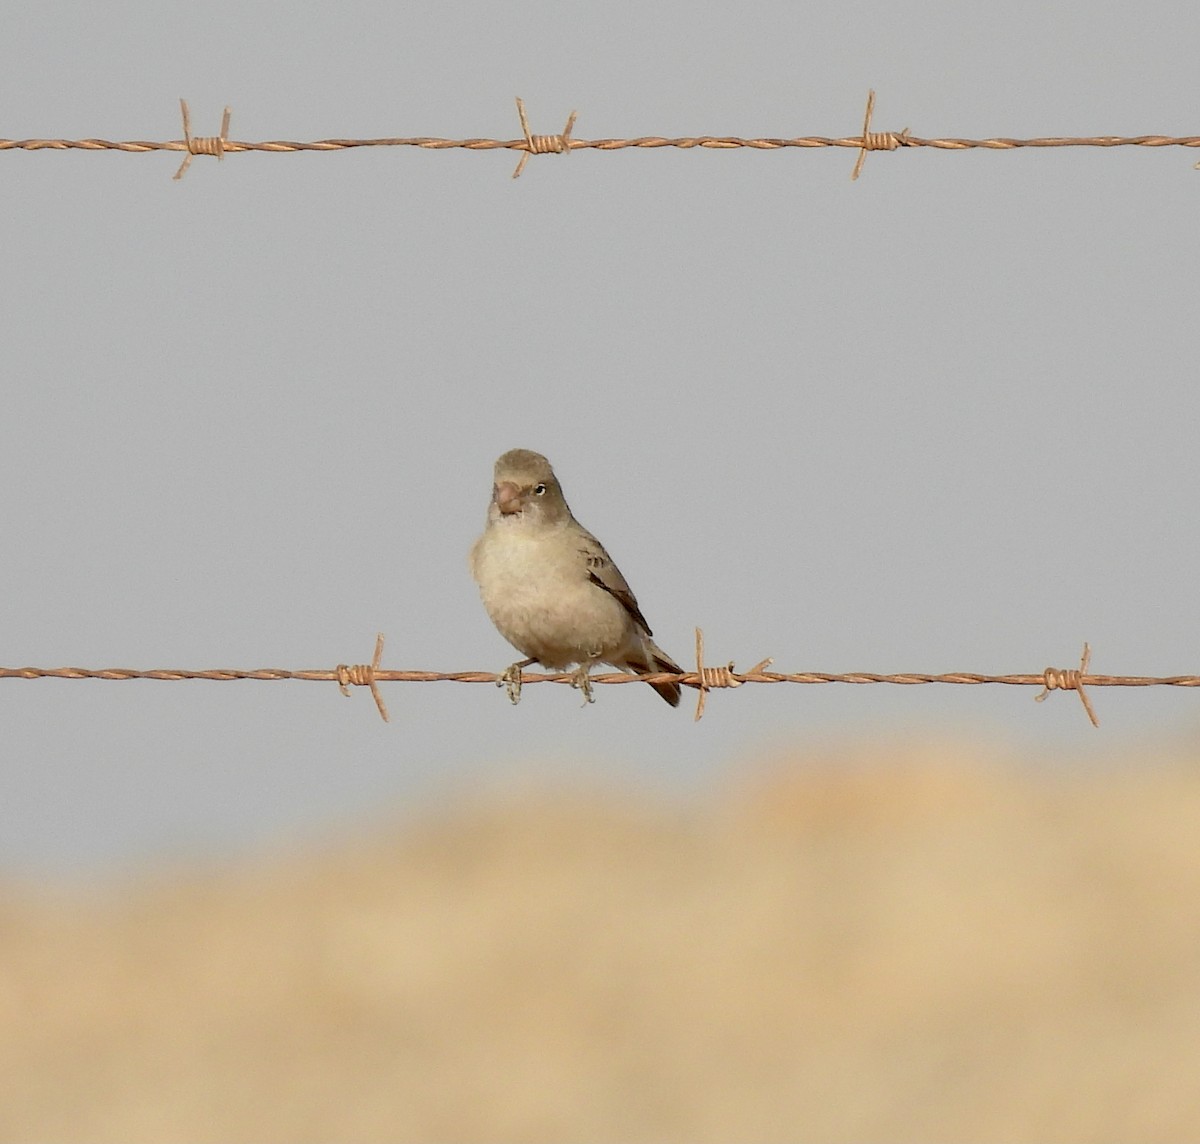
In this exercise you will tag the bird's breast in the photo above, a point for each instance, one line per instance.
(535, 588)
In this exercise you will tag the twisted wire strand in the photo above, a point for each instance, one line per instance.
(564, 143)
(274, 674)
(643, 142)
(703, 678)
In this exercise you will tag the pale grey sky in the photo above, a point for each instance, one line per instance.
(942, 418)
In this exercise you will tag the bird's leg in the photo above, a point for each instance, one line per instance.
(510, 679)
(581, 678)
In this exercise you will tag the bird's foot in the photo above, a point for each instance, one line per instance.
(510, 679)
(582, 680)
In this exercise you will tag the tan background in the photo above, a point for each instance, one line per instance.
(922, 944)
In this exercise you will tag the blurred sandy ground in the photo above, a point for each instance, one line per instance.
(926, 945)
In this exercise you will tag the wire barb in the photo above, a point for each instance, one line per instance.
(363, 675)
(1070, 679)
(709, 677)
(876, 140)
(201, 144)
(542, 144)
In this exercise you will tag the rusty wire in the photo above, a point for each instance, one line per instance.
(564, 143)
(703, 678)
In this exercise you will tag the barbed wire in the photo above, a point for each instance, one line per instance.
(563, 143)
(704, 678)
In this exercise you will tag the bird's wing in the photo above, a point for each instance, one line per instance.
(605, 574)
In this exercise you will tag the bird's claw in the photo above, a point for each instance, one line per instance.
(510, 680)
(583, 681)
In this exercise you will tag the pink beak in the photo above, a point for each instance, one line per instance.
(507, 497)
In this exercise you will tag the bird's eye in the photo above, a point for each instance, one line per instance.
(539, 490)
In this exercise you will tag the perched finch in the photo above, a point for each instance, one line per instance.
(551, 589)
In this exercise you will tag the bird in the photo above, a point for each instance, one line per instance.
(552, 590)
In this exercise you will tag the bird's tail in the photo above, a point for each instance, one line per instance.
(656, 661)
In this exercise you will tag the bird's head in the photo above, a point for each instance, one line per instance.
(526, 488)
